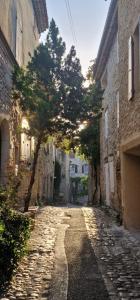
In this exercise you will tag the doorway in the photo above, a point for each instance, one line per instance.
(131, 185)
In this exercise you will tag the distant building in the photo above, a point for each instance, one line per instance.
(78, 167)
(78, 172)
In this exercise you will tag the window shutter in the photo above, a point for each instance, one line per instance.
(130, 68)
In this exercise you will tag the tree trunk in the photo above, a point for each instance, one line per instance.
(32, 179)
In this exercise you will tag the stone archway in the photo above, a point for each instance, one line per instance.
(4, 150)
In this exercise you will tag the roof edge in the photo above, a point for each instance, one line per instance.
(110, 29)
(40, 9)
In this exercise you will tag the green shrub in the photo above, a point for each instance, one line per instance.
(14, 232)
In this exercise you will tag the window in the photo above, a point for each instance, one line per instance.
(134, 63)
(130, 68)
(118, 109)
(85, 169)
(76, 169)
(106, 124)
(136, 58)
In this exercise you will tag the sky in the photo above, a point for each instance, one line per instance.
(88, 21)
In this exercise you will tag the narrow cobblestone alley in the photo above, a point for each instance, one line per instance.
(76, 254)
(85, 279)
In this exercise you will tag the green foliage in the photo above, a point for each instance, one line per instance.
(50, 93)
(14, 232)
(79, 186)
(9, 193)
(50, 90)
(90, 135)
(84, 182)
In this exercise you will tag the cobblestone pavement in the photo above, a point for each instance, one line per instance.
(85, 279)
(118, 255)
(33, 277)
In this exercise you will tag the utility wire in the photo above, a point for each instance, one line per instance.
(70, 18)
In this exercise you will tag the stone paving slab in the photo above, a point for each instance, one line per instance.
(33, 277)
(118, 255)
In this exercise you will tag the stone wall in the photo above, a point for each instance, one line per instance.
(128, 20)
(18, 38)
(128, 12)
(64, 189)
(10, 12)
(109, 144)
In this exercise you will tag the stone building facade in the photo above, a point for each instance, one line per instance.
(107, 72)
(119, 53)
(21, 23)
(129, 86)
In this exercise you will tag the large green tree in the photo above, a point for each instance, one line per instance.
(50, 93)
(89, 137)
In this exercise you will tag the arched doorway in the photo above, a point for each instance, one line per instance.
(4, 150)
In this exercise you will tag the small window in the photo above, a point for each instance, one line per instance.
(76, 169)
(83, 169)
(134, 63)
(136, 59)
(130, 68)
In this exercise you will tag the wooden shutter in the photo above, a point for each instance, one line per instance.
(130, 68)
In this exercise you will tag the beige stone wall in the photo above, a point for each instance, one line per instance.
(109, 146)
(19, 28)
(10, 12)
(129, 12)
(42, 191)
(128, 17)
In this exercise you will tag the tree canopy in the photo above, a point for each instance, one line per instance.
(50, 92)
